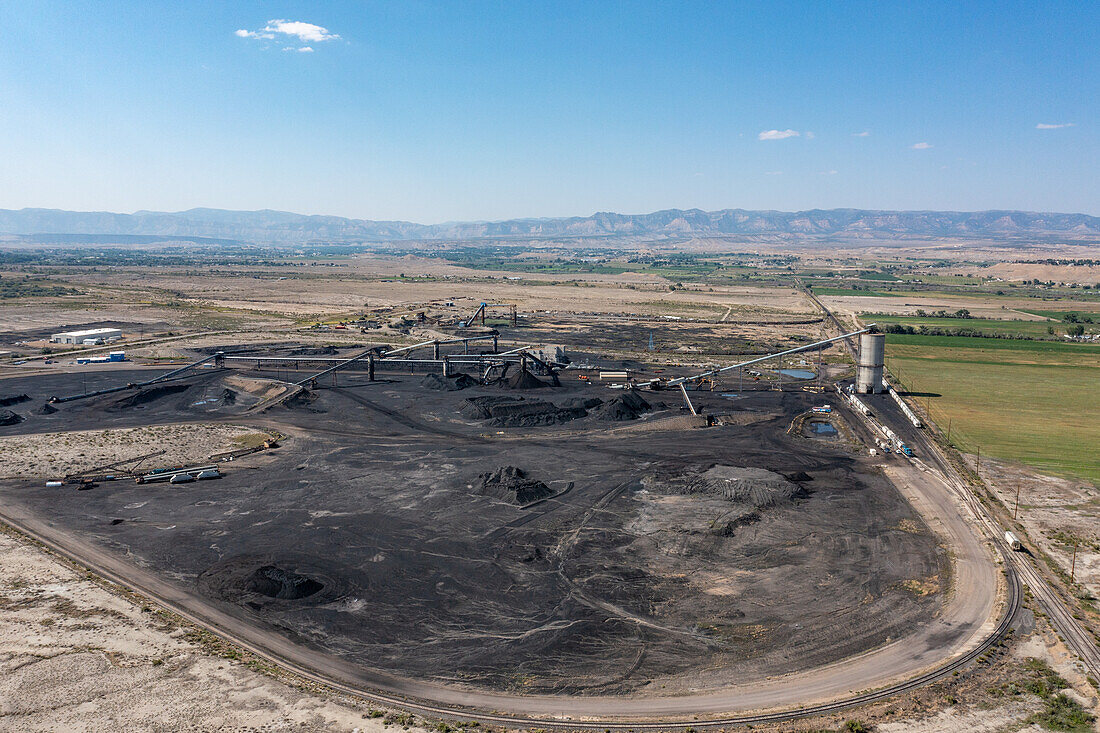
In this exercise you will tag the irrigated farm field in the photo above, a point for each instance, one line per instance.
(1029, 401)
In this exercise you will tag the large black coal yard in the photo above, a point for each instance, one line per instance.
(505, 523)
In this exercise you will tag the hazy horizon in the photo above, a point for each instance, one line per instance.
(590, 214)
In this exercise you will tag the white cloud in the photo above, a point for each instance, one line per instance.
(1048, 126)
(303, 49)
(865, 133)
(777, 134)
(828, 173)
(303, 32)
(921, 146)
(242, 33)
(809, 135)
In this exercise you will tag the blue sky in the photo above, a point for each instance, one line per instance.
(437, 111)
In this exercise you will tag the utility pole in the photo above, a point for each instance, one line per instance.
(978, 468)
(1073, 562)
(1016, 510)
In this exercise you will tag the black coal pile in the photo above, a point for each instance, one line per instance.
(45, 409)
(512, 484)
(480, 408)
(313, 351)
(517, 412)
(524, 380)
(585, 403)
(452, 383)
(274, 582)
(627, 406)
(7, 417)
(755, 487)
(303, 401)
(146, 395)
(13, 399)
(229, 397)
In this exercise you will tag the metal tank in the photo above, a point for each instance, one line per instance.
(872, 350)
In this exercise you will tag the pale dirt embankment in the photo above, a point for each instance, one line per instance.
(59, 454)
(77, 657)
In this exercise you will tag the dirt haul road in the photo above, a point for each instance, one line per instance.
(968, 618)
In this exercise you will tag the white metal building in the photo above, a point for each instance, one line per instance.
(79, 337)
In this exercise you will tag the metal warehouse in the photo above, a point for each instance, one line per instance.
(79, 337)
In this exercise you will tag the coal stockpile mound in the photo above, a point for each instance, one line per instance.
(274, 582)
(524, 380)
(512, 484)
(313, 351)
(480, 408)
(303, 401)
(756, 487)
(13, 399)
(585, 403)
(627, 406)
(533, 413)
(7, 417)
(229, 397)
(45, 409)
(448, 384)
(258, 581)
(517, 412)
(146, 395)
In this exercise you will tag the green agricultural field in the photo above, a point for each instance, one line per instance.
(1039, 406)
(997, 351)
(1059, 315)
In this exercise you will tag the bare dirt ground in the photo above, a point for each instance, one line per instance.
(1016, 271)
(351, 286)
(60, 454)
(1057, 514)
(910, 303)
(76, 657)
(133, 311)
(990, 697)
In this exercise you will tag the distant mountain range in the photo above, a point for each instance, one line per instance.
(272, 227)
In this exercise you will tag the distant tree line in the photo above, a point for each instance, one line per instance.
(1063, 263)
(960, 313)
(900, 328)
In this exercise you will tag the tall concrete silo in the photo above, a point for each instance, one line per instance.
(872, 351)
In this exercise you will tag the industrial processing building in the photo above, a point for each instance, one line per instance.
(93, 336)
